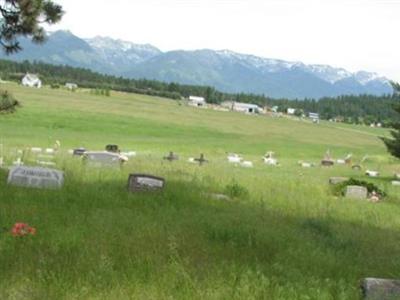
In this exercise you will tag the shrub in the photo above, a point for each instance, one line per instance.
(7, 102)
(340, 189)
(235, 190)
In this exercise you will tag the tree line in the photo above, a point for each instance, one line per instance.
(364, 109)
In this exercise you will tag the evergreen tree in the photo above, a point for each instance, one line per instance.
(25, 18)
(393, 144)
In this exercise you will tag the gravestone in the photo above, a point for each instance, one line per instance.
(201, 160)
(246, 164)
(220, 197)
(372, 173)
(45, 160)
(50, 151)
(143, 182)
(112, 148)
(306, 165)
(102, 159)
(337, 180)
(234, 158)
(356, 192)
(18, 162)
(396, 183)
(36, 150)
(356, 167)
(327, 163)
(79, 151)
(35, 177)
(380, 289)
(171, 156)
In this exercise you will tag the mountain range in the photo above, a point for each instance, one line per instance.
(225, 70)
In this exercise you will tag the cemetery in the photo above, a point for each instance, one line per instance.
(116, 192)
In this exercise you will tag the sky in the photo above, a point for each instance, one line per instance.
(353, 34)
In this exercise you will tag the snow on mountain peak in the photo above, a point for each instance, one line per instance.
(106, 43)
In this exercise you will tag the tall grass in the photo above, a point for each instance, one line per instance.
(283, 235)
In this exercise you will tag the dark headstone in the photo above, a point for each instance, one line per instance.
(327, 163)
(380, 289)
(112, 148)
(79, 151)
(143, 182)
(201, 160)
(171, 157)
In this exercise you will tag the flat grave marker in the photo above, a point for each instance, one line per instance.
(144, 182)
(337, 180)
(35, 177)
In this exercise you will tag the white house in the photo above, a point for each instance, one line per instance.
(71, 86)
(242, 107)
(291, 111)
(31, 80)
(197, 101)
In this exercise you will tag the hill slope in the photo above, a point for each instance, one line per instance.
(225, 70)
(282, 235)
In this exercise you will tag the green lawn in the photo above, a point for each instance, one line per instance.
(284, 235)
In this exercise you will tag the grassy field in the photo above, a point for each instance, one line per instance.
(284, 235)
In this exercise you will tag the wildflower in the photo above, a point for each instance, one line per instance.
(22, 229)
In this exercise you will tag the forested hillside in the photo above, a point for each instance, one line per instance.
(351, 109)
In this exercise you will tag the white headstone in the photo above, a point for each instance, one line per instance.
(36, 150)
(50, 151)
(234, 158)
(372, 173)
(129, 154)
(247, 164)
(103, 159)
(396, 183)
(306, 165)
(356, 192)
(270, 161)
(18, 162)
(35, 177)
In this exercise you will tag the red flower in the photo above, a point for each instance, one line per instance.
(22, 229)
